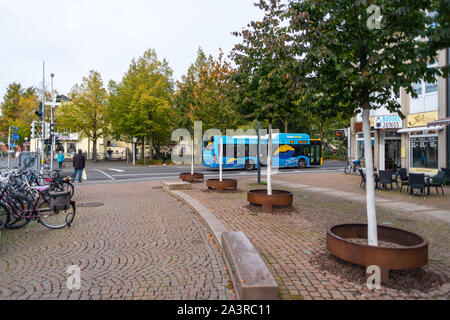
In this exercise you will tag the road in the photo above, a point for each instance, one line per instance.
(120, 171)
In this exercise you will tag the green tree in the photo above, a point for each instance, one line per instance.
(206, 94)
(359, 67)
(141, 104)
(87, 112)
(264, 61)
(17, 109)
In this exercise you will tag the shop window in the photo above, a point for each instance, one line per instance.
(424, 152)
(417, 87)
(431, 87)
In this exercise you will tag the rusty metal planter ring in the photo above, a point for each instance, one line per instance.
(413, 253)
(191, 177)
(222, 185)
(279, 198)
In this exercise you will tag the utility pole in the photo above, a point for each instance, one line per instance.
(9, 148)
(52, 126)
(43, 118)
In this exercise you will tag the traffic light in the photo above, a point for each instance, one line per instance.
(52, 129)
(39, 112)
(34, 133)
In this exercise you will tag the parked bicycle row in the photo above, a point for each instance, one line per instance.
(26, 196)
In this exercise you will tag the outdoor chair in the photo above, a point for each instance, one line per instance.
(404, 180)
(417, 181)
(363, 179)
(385, 178)
(438, 182)
(446, 175)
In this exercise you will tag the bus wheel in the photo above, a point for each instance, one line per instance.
(302, 163)
(249, 166)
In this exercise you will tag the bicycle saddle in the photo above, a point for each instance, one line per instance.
(43, 188)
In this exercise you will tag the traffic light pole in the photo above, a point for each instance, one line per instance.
(52, 130)
(43, 118)
(9, 148)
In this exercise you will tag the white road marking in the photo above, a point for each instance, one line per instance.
(117, 170)
(112, 178)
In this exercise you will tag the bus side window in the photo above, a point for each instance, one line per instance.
(299, 151)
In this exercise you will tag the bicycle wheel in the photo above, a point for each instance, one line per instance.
(4, 216)
(16, 221)
(348, 168)
(55, 220)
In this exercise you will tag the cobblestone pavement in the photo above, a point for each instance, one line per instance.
(293, 244)
(131, 241)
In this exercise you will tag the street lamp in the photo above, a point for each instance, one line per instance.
(26, 141)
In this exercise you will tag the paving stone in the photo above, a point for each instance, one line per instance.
(137, 245)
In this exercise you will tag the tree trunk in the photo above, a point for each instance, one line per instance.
(286, 125)
(94, 150)
(143, 148)
(269, 161)
(150, 145)
(372, 233)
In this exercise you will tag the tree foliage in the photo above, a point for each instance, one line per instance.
(141, 104)
(206, 94)
(17, 109)
(264, 62)
(87, 112)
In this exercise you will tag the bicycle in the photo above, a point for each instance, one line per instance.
(352, 166)
(46, 210)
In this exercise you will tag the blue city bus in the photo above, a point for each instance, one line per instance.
(295, 150)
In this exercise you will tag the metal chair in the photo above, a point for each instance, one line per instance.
(363, 179)
(385, 178)
(438, 182)
(417, 181)
(404, 180)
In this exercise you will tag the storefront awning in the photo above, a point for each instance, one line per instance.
(442, 122)
(437, 128)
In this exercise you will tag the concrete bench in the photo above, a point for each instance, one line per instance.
(176, 185)
(251, 277)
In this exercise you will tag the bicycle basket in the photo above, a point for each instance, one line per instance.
(59, 200)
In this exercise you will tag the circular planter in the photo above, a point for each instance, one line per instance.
(221, 185)
(413, 253)
(191, 177)
(279, 198)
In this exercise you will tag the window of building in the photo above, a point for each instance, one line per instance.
(427, 96)
(424, 152)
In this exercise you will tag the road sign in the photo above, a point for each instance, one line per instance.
(15, 137)
(15, 129)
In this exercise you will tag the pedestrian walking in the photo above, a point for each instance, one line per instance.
(79, 164)
(60, 159)
(164, 156)
(109, 154)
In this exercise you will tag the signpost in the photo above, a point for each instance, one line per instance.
(52, 105)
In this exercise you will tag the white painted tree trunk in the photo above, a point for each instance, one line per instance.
(269, 162)
(372, 233)
(192, 159)
(221, 159)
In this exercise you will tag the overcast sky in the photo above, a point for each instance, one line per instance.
(75, 36)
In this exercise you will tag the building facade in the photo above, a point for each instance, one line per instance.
(410, 143)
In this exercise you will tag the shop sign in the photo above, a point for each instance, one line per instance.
(392, 121)
(422, 119)
(358, 127)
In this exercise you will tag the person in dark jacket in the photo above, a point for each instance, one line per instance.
(79, 163)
